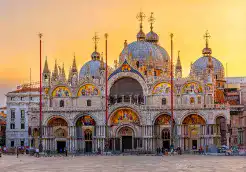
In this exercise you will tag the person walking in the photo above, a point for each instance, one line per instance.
(66, 151)
(17, 152)
(37, 153)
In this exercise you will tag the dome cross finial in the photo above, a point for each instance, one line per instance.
(95, 39)
(140, 17)
(206, 37)
(151, 20)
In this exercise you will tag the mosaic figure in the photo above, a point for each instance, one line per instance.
(125, 116)
(88, 90)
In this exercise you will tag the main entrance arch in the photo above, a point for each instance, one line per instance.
(85, 129)
(193, 126)
(58, 129)
(126, 135)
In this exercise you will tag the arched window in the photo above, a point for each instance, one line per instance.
(163, 101)
(137, 64)
(61, 103)
(154, 73)
(88, 102)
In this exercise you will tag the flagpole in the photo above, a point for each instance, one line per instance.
(40, 93)
(172, 119)
(106, 88)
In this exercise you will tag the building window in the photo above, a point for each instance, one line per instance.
(164, 101)
(137, 64)
(22, 125)
(12, 143)
(12, 114)
(21, 98)
(154, 73)
(12, 126)
(199, 100)
(22, 114)
(22, 142)
(88, 102)
(145, 72)
(192, 100)
(61, 103)
(30, 98)
(11, 98)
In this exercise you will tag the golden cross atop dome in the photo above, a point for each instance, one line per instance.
(206, 37)
(95, 39)
(140, 17)
(151, 20)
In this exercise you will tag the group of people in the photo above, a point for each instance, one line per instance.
(171, 150)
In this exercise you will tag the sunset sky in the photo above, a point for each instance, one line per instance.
(69, 25)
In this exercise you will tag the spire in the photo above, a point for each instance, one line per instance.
(151, 21)
(178, 61)
(206, 51)
(55, 72)
(178, 67)
(46, 68)
(74, 66)
(141, 34)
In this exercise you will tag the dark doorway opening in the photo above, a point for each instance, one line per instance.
(88, 146)
(194, 144)
(61, 146)
(126, 142)
(166, 144)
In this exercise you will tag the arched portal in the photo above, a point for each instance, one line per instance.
(126, 134)
(162, 131)
(221, 126)
(126, 89)
(85, 129)
(58, 129)
(193, 127)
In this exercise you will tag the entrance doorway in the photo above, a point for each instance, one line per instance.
(126, 134)
(166, 144)
(194, 144)
(61, 146)
(88, 146)
(126, 142)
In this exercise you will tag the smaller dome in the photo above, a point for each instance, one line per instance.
(141, 36)
(95, 55)
(206, 51)
(152, 37)
(91, 68)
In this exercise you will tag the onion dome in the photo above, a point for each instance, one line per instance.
(95, 55)
(141, 36)
(152, 36)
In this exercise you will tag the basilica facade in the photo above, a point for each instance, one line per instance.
(139, 101)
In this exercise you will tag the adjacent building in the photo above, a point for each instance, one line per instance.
(235, 93)
(18, 103)
(3, 116)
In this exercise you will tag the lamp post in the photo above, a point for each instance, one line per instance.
(40, 93)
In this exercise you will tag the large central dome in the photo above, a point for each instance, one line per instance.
(142, 51)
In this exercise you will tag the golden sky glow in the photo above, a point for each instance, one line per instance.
(68, 27)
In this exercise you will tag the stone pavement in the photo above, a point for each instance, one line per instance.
(186, 163)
